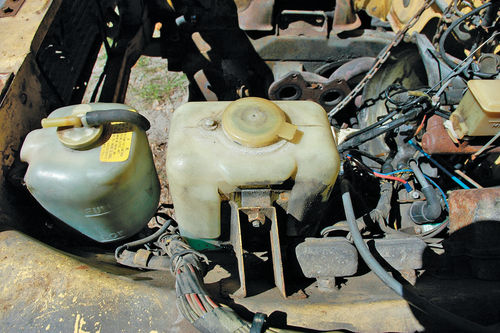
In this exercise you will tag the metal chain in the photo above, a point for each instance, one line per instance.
(381, 59)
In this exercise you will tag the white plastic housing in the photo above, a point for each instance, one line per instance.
(203, 163)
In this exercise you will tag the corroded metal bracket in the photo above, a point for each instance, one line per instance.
(256, 205)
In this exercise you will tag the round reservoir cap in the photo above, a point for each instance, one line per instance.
(79, 137)
(256, 122)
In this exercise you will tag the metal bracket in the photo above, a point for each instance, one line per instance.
(259, 214)
(10, 7)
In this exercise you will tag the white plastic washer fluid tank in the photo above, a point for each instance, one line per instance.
(222, 147)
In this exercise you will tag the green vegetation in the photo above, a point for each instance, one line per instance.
(155, 83)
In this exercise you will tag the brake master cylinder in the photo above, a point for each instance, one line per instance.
(216, 149)
(100, 179)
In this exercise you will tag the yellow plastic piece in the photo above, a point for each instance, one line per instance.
(210, 165)
(105, 201)
(478, 113)
(256, 122)
(77, 137)
(72, 121)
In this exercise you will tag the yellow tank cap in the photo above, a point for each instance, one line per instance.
(76, 137)
(256, 122)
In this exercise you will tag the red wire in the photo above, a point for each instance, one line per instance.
(376, 174)
(199, 302)
(212, 303)
(420, 126)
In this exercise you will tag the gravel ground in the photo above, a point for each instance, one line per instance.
(155, 93)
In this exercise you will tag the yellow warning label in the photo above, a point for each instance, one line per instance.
(117, 148)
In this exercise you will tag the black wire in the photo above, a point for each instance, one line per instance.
(372, 126)
(142, 241)
(452, 26)
(353, 142)
(367, 155)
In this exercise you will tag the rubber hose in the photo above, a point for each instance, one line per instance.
(452, 26)
(430, 209)
(408, 294)
(96, 118)
(142, 241)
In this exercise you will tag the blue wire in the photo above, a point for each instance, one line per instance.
(442, 168)
(426, 177)
(440, 190)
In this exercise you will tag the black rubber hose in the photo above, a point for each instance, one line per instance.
(96, 118)
(355, 141)
(142, 241)
(408, 294)
(430, 209)
(452, 26)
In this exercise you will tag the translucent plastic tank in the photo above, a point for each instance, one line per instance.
(217, 148)
(478, 113)
(101, 181)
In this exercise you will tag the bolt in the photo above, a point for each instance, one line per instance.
(256, 218)
(209, 124)
(415, 195)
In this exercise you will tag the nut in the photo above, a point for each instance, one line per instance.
(256, 218)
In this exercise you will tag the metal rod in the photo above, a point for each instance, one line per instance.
(467, 178)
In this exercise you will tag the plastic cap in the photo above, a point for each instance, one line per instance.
(75, 137)
(256, 122)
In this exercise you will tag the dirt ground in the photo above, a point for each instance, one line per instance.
(155, 93)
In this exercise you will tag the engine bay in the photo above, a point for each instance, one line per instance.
(334, 166)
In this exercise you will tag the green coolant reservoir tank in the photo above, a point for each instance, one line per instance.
(94, 174)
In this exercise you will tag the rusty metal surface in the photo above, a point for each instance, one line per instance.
(318, 49)
(46, 290)
(436, 140)
(309, 86)
(353, 68)
(303, 23)
(10, 7)
(21, 34)
(344, 18)
(256, 206)
(255, 14)
(5, 80)
(471, 206)
(472, 248)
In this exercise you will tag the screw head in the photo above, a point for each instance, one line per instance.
(256, 218)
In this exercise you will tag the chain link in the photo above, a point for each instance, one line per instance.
(381, 59)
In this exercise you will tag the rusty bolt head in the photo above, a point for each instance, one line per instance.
(256, 218)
